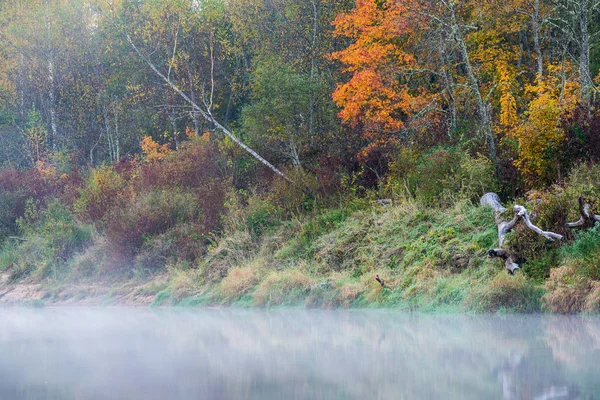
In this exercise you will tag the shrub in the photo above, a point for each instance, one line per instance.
(57, 225)
(443, 176)
(150, 214)
(34, 254)
(475, 177)
(15, 188)
(296, 197)
(50, 238)
(401, 177)
(584, 179)
(260, 215)
(581, 130)
(104, 191)
(540, 142)
(185, 242)
(195, 165)
(94, 260)
(431, 171)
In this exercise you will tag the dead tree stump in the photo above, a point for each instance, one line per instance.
(587, 219)
(504, 227)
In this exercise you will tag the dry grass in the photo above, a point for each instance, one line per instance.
(240, 280)
(568, 293)
(505, 293)
(231, 251)
(349, 292)
(279, 287)
(184, 283)
(592, 301)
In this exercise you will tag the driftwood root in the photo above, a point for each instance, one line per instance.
(520, 213)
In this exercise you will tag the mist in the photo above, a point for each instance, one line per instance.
(292, 354)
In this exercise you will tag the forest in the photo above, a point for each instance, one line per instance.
(317, 152)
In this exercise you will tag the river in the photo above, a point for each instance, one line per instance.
(140, 353)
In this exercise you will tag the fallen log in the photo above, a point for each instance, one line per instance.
(587, 219)
(504, 227)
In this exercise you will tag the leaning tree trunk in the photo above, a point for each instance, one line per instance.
(504, 227)
(204, 112)
(588, 219)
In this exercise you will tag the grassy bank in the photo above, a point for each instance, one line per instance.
(429, 259)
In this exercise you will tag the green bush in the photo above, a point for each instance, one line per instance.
(586, 250)
(49, 238)
(261, 215)
(442, 176)
(297, 197)
(57, 225)
(185, 242)
(585, 179)
(104, 191)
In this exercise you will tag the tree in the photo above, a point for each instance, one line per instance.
(206, 111)
(380, 94)
(572, 18)
(539, 137)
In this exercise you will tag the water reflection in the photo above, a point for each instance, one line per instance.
(294, 354)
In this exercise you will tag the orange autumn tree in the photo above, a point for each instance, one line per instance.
(378, 96)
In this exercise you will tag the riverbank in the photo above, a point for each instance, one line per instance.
(405, 256)
(91, 293)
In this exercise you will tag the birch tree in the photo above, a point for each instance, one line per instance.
(206, 109)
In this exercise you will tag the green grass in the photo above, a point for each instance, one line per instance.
(430, 260)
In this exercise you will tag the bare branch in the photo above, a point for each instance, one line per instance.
(587, 219)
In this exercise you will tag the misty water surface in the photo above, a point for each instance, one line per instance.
(294, 354)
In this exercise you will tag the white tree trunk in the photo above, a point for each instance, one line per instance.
(205, 113)
(535, 27)
(584, 56)
(52, 105)
(482, 106)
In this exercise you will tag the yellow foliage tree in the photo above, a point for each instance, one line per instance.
(539, 137)
(509, 119)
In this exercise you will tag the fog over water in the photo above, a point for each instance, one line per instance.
(294, 354)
